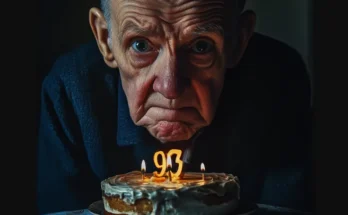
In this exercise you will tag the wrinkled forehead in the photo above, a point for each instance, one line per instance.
(161, 4)
(175, 12)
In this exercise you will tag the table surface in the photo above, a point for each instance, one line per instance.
(261, 210)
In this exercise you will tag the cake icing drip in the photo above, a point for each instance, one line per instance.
(180, 196)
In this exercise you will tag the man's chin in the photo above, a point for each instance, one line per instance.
(166, 131)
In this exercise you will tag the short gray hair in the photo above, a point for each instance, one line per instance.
(105, 7)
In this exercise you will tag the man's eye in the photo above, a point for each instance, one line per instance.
(202, 47)
(141, 45)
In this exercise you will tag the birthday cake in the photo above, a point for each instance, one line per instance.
(139, 193)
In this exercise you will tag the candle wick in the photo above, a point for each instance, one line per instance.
(169, 173)
(142, 174)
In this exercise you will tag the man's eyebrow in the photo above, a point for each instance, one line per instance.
(208, 28)
(130, 26)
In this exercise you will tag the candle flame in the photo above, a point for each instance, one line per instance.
(143, 166)
(202, 167)
(169, 161)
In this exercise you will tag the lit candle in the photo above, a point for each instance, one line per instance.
(169, 167)
(202, 169)
(143, 169)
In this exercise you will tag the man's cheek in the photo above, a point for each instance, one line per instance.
(208, 92)
(138, 91)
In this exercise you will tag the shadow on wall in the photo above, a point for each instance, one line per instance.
(63, 26)
(289, 21)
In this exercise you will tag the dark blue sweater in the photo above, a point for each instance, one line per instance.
(260, 133)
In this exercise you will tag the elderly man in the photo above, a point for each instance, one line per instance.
(175, 74)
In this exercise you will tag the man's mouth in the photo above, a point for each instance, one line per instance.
(187, 115)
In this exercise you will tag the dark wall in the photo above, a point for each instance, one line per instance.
(289, 21)
(63, 26)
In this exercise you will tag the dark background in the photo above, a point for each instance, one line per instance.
(63, 25)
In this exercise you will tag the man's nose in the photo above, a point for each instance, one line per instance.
(170, 82)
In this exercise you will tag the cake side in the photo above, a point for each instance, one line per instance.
(129, 194)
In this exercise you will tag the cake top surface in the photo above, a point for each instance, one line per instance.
(134, 181)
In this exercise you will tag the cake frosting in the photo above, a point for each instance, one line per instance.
(218, 193)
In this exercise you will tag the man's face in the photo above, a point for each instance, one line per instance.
(171, 61)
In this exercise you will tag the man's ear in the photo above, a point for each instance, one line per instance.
(100, 30)
(245, 30)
